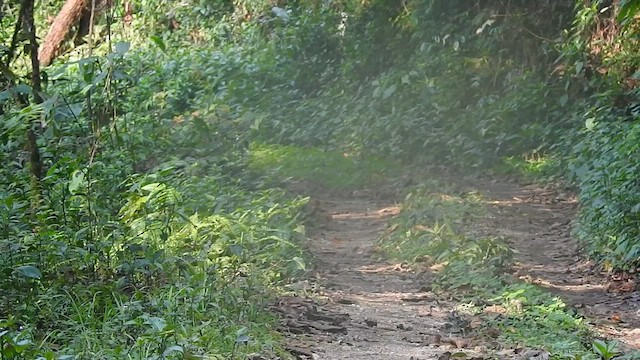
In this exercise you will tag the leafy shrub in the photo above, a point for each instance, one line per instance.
(148, 239)
(606, 169)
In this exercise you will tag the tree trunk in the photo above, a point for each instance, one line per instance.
(68, 16)
(35, 161)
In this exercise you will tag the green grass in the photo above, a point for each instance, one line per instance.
(332, 169)
(535, 168)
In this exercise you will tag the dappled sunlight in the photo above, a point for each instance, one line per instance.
(369, 214)
(385, 268)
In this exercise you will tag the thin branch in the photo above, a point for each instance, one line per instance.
(16, 32)
(30, 27)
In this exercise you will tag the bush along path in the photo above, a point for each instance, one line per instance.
(483, 270)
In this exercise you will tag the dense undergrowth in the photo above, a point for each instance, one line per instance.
(137, 202)
(145, 236)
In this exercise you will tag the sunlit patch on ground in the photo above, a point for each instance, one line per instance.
(376, 214)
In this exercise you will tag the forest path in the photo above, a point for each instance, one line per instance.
(537, 223)
(372, 309)
(368, 308)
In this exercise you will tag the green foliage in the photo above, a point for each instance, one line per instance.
(606, 350)
(151, 233)
(605, 168)
(446, 101)
(149, 239)
(432, 228)
(170, 265)
(470, 88)
(533, 167)
(540, 320)
(428, 226)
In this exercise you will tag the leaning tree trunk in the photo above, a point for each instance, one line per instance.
(68, 16)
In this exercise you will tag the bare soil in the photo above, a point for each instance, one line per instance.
(538, 224)
(362, 307)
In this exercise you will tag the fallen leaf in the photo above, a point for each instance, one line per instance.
(459, 355)
(627, 286)
(492, 332)
(414, 298)
(462, 343)
(496, 309)
(536, 355)
(459, 343)
(615, 317)
(345, 301)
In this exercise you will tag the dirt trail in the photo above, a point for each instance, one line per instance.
(537, 223)
(373, 309)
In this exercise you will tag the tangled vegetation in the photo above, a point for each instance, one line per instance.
(138, 206)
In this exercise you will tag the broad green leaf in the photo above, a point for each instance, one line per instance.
(77, 180)
(389, 91)
(300, 264)
(159, 42)
(590, 123)
(243, 339)
(122, 47)
(173, 349)
(23, 89)
(158, 324)
(151, 187)
(236, 249)
(5, 95)
(29, 271)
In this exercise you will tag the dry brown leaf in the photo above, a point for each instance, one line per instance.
(627, 286)
(496, 309)
(459, 343)
(433, 339)
(462, 343)
(421, 228)
(615, 317)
